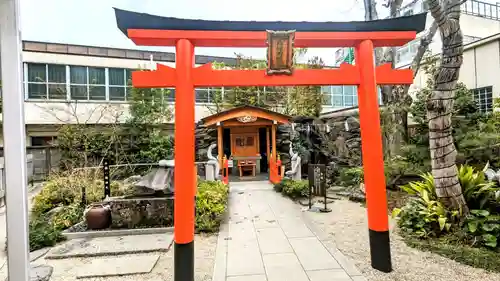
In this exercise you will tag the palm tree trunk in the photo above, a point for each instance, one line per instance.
(440, 106)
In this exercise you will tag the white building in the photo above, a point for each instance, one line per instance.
(72, 84)
(478, 20)
(83, 84)
(479, 71)
(480, 23)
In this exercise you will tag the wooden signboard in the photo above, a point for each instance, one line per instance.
(280, 52)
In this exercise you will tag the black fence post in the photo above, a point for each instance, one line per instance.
(107, 187)
(310, 177)
(48, 161)
(84, 196)
(322, 186)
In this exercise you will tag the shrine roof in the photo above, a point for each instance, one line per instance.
(245, 110)
(132, 20)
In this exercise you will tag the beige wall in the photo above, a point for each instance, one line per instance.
(480, 68)
(37, 112)
(38, 57)
(471, 26)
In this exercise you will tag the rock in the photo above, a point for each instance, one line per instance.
(143, 212)
(166, 163)
(54, 211)
(38, 254)
(39, 272)
(158, 182)
(132, 179)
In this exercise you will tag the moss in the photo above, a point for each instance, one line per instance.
(450, 247)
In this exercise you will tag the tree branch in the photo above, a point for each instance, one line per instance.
(425, 41)
(437, 11)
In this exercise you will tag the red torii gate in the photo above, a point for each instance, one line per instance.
(149, 30)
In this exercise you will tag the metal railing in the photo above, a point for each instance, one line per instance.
(481, 9)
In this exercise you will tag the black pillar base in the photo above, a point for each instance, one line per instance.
(184, 262)
(380, 250)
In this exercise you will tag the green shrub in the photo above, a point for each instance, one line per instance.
(278, 187)
(67, 216)
(352, 176)
(42, 233)
(415, 154)
(211, 204)
(295, 189)
(484, 227)
(64, 192)
(423, 215)
(66, 189)
(478, 192)
(421, 188)
(399, 166)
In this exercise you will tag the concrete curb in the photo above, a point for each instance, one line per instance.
(106, 254)
(118, 232)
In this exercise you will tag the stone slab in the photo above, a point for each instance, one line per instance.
(107, 246)
(273, 241)
(40, 272)
(117, 266)
(244, 261)
(280, 267)
(219, 273)
(359, 278)
(117, 232)
(344, 262)
(247, 278)
(313, 255)
(328, 275)
(295, 228)
(38, 253)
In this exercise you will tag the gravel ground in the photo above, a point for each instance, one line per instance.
(66, 269)
(347, 226)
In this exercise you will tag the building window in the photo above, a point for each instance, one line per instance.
(469, 39)
(207, 95)
(484, 98)
(97, 83)
(87, 83)
(61, 82)
(408, 13)
(202, 95)
(326, 91)
(340, 96)
(43, 141)
(406, 53)
(119, 83)
(169, 94)
(350, 96)
(46, 81)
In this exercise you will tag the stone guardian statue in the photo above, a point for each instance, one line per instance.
(295, 173)
(212, 167)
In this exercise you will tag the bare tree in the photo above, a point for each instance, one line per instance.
(440, 104)
(446, 14)
(395, 97)
(83, 124)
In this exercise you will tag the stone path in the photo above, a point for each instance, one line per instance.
(266, 238)
(110, 246)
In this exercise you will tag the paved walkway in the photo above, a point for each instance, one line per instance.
(267, 239)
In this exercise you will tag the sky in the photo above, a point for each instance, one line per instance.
(92, 22)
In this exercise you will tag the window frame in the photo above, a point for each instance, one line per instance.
(68, 84)
(45, 82)
(487, 97)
